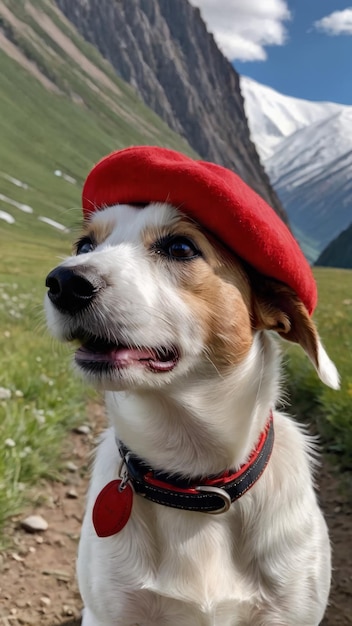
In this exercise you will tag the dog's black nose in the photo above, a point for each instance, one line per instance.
(73, 289)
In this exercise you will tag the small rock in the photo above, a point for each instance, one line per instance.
(34, 524)
(84, 429)
(44, 601)
(27, 619)
(67, 610)
(16, 557)
(21, 604)
(72, 467)
(31, 549)
(39, 539)
(58, 574)
(72, 493)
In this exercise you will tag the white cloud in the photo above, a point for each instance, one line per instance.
(337, 23)
(243, 28)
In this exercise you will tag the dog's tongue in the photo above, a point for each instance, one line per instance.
(124, 357)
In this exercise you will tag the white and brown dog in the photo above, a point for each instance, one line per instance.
(196, 514)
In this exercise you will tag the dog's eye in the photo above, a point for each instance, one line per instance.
(182, 248)
(178, 248)
(84, 246)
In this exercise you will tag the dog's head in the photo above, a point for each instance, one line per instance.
(151, 297)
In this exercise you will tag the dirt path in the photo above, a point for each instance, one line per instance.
(37, 576)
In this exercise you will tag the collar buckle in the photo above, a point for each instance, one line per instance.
(123, 473)
(221, 493)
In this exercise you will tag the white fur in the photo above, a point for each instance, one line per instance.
(327, 370)
(266, 561)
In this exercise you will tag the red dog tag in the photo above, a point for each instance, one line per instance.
(112, 509)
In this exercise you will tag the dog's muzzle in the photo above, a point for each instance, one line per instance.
(72, 289)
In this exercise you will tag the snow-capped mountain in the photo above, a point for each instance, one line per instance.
(273, 116)
(306, 148)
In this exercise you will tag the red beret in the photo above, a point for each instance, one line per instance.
(214, 197)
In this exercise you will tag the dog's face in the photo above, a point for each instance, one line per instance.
(150, 298)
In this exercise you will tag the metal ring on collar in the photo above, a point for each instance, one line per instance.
(221, 494)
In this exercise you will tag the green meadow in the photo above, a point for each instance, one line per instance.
(68, 129)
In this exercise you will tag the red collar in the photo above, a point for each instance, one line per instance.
(215, 494)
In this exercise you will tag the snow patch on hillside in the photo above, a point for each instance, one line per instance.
(7, 217)
(14, 181)
(66, 177)
(53, 223)
(22, 207)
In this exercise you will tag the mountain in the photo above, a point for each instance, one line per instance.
(306, 148)
(162, 49)
(273, 116)
(62, 108)
(339, 252)
(315, 183)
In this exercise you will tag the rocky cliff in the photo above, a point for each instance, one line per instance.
(163, 49)
(339, 252)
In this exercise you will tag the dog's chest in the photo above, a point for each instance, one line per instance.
(195, 559)
(168, 565)
(188, 568)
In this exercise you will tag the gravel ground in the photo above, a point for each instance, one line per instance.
(37, 575)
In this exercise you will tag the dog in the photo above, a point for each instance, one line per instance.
(201, 508)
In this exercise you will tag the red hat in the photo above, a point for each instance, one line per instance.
(214, 197)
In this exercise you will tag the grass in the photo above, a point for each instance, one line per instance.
(39, 398)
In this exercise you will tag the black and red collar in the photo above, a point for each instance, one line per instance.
(113, 506)
(212, 495)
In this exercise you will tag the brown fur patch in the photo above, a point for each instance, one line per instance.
(275, 306)
(99, 230)
(219, 299)
(216, 289)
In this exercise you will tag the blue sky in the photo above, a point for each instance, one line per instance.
(302, 48)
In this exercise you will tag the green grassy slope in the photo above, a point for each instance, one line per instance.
(43, 130)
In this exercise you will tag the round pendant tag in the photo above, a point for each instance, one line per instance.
(112, 509)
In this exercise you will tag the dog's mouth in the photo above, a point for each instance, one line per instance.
(100, 354)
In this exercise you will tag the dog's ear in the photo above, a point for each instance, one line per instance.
(276, 307)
